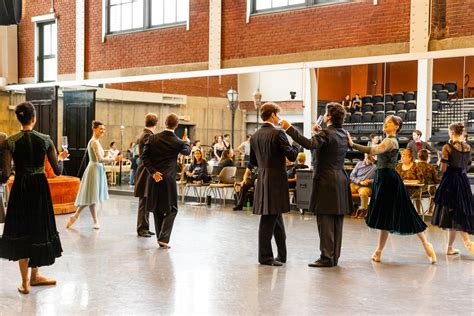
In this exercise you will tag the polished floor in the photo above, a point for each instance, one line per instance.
(212, 269)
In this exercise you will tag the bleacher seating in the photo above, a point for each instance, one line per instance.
(378, 117)
(411, 116)
(398, 97)
(436, 105)
(438, 86)
(367, 117)
(402, 114)
(387, 113)
(389, 106)
(388, 97)
(452, 88)
(377, 98)
(409, 96)
(356, 117)
(366, 107)
(400, 105)
(379, 106)
(366, 99)
(410, 105)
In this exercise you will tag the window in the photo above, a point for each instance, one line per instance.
(129, 15)
(269, 5)
(47, 51)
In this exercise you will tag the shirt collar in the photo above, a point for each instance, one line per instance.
(169, 130)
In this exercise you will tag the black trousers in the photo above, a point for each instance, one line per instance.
(330, 237)
(244, 191)
(164, 224)
(143, 222)
(271, 225)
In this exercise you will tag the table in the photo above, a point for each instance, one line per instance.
(115, 168)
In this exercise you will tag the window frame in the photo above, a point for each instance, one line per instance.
(147, 22)
(40, 56)
(306, 4)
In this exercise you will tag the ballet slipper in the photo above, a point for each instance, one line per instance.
(24, 288)
(430, 252)
(71, 221)
(164, 245)
(377, 255)
(470, 246)
(96, 225)
(452, 251)
(41, 281)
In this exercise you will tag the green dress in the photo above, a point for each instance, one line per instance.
(390, 206)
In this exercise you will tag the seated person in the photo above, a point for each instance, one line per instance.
(300, 160)
(113, 151)
(226, 158)
(430, 175)
(247, 183)
(197, 171)
(361, 180)
(409, 172)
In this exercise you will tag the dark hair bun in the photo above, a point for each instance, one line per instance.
(96, 124)
(25, 112)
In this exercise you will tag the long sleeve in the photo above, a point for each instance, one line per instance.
(6, 162)
(98, 154)
(315, 142)
(353, 177)
(291, 152)
(146, 158)
(381, 148)
(185, 149)
(253, 159)
(56, 165)
(436, 177)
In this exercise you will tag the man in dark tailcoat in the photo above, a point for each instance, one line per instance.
(331, 195)
(160, 156)
(143, 224)
(268, 148)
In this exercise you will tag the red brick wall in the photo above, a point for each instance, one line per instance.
(65, 10)
(150, 48)
(459, 18)
(317, 28)
(286, 106)
(202, 87)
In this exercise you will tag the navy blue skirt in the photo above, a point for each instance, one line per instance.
(390, 206)
(454, 205)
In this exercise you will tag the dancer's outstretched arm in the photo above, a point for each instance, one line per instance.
(315, 142)
(384, 146)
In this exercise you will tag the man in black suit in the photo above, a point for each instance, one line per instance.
(143, 224)
(331, 196)
(268, 148)
(160, 155)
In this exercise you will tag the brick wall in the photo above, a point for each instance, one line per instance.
(65, 11)
(200, 87)
(157, 47)
(350, 24)
(459, 18)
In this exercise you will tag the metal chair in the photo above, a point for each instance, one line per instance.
(226, 180)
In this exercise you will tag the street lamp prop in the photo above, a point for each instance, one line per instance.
(233, 98)
(257, 100)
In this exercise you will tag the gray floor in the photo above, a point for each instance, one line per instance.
(212, 270)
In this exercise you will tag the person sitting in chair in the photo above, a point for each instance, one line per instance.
(247, 183)
(361, 180)
(197, 172)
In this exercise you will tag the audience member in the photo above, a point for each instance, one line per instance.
(356, 104)
(300, 164)
(409, 172)
(227, 158)
(244, 148)
(430, 175)
(113, 151)
(361, 180)
(197, 171)
(227, 143)
(347, 103)
(247, 183)
(417, 144)
(219, 148)
(374, 140)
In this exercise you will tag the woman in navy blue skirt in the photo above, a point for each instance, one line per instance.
(390, 208)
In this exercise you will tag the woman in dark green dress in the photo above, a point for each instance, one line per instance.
(30, 234)
(390, 208)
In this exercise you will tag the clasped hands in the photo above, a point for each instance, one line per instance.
(157, 176)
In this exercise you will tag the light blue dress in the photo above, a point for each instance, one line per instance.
(93, 188)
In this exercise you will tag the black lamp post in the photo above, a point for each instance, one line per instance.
(233, 98)
(257, 100)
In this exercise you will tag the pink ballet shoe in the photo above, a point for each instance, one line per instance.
(452, 251)
(377, 255)
(470, 246)
(430, 252)
(71, 221)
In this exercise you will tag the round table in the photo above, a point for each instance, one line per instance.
(64, 190)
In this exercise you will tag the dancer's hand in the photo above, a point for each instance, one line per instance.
(63, 155)
(349, 139)
(285, 124)
(316, 128)
(158, 176)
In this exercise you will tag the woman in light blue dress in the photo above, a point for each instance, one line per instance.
(93, 187)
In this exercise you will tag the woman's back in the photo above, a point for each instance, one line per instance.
(28, 149)
(459, 155)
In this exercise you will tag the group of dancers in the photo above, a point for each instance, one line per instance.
(30, 235)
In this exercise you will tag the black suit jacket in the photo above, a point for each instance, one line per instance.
(142, 176)
(268, 148)
(331, 193)
(160, 154)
